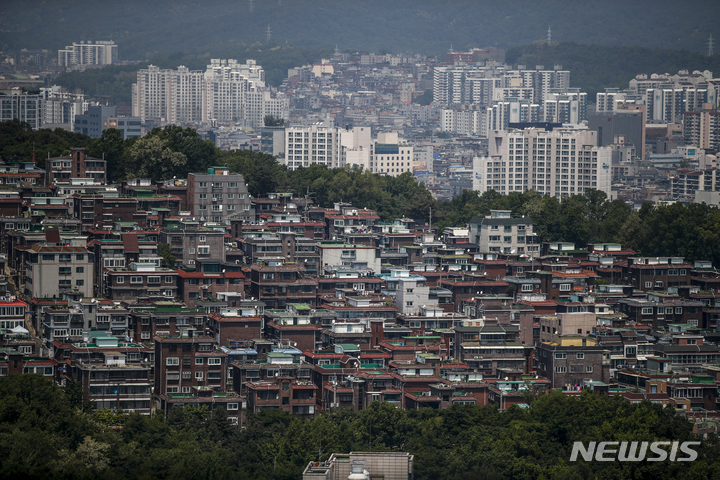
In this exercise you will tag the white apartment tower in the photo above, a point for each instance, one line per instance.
(154, 94)
(560, 162)
(314, 144)
(227, 91)
(88, 53)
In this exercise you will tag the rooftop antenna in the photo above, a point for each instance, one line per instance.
(710, 45)
(268, 33)
(549, 36)
(251, 5)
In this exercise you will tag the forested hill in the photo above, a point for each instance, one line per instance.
(595, 67)
(48, 433)
(144, 29)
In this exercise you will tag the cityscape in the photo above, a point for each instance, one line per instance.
(366, 265)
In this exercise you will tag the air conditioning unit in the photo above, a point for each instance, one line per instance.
(205, 287)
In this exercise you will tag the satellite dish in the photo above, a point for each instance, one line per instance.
(512, 251)
(506, 379)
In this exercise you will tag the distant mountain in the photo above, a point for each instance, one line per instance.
(143, 29)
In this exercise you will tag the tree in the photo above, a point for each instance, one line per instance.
(152, 158)
(110, 146)
(165, 252)
(273, 121)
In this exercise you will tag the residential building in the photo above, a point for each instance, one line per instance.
(140, 281)
(99, 118)
(573, 361)
(702, 128)
(314, 144)
(560, 162)
(112, 383)
(217, 195)
(52, 270)
(164, 318)
(16, 105)
(391, 155)
(88, 53)
(76, 165)
(192, 244)
(502, 233)
(190, 370)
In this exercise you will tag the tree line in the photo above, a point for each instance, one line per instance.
(47, 432)
(691, 231)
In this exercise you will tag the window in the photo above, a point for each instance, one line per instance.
(683, 271)
(565, 287)
(232, 406)
(658, 284)
(560, 369)
(47, 256)
(153, 279)
(198, 375)
(678, 310)
(168, 279)
(136, 280)
(198, 361)
(172, 361)
(526, 287)
(185, 389)
(80, 257)
(214, 361)
(408, 304)
(648, 284)
(65, 271)
(560, 356)
(588, 368)
(668, 310)
(202, 238)
(79, 269)
(120, 280)
(580, 356)
(79, 282)
(203, 250)
(647, 311)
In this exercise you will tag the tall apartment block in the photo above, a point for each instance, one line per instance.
(314, 144)
(560, 162)
(88, 53)
(227, 91)
(24, 107)
(702, 128)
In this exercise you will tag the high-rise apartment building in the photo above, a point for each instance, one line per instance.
(88, 53)
(227, 91)
(154, 94)
(702, 128)
(560, 162)
(21, 106)
(307, 145)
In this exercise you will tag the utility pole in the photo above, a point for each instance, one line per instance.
(710, 45)
(268, 33)
(549, 36)
(251, 5)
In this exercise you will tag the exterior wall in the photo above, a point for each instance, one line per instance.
(70, 268)
(315, 144)
(26, 108)
(218, 195)
(559, 163)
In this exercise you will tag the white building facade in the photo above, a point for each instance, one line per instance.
(560, 162)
